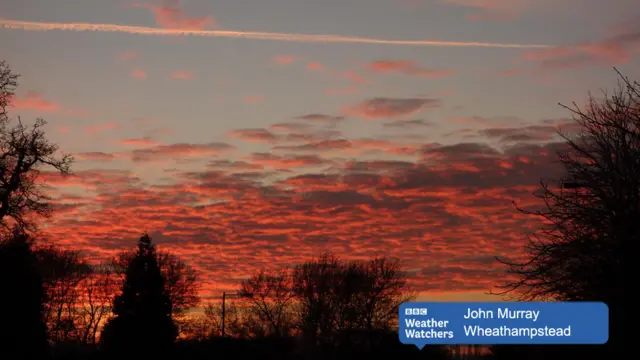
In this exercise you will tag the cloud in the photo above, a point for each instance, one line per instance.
(315, 66)
(321, 118)
(547, 131)
(234, 166)
(164, 152)
(323, 145)
(253, 99)
(407, 67)
(284, 59)
(445, 215)
(377, 108)
(289, 127)
(171, 16)
(145, 141)
(286, 162)
(33, 100)
(305, 132)
(182, 75)
(94, 156)
(255, 135)
(354, 77)
(615, 50)
(139, 74)
(316, 135)
(140, 30)
(407, 123)
(485, 121)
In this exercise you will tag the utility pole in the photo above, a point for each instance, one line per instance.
(224, 296)
(224, 309)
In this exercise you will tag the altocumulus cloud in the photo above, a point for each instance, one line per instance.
(382, 107)
(441, 202)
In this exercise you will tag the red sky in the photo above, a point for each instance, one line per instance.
(241, 136)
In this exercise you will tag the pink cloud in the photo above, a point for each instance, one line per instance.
(321, 118)
(255, 135)
(146, 141)
(286, 162)
(33, 100)
(354, 77)
(139, 74)
(171, 16)
(315, 66)
(63, 129)
(168, 152)
(406, 67)
(284, 59)
(414, 210)
(182, 75)
(377, 108)
(252, 99)
(613, 51)
(95, 156)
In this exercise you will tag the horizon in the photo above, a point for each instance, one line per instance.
(236, 153)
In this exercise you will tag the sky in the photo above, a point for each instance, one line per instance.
(258, 134)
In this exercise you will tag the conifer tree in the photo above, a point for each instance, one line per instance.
(142, 325)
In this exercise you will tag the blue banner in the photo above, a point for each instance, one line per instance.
(483, 323)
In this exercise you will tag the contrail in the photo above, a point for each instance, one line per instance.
(141, 30)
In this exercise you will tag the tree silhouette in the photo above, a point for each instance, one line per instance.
(98, 293)
(180, 282)
(336, 297)
(24, 151)
(592, 213)
(271, 299)
(23, 332)
(8, 84)
(240, 320)
(143, 324)
(64, 273)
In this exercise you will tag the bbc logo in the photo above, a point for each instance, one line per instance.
(415, 311)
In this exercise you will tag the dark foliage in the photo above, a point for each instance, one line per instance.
(23, 332)
(143, 323)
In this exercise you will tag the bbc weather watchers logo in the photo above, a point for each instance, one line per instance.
(494, 323)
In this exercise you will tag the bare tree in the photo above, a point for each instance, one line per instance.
(272, 300)
(64, 272)
(24, 151)
(99, 291)
(240, 321)
(8, 84)
(384, 289)
(336, 296)
(592, 212)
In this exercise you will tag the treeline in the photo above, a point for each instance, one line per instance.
(138, 303)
